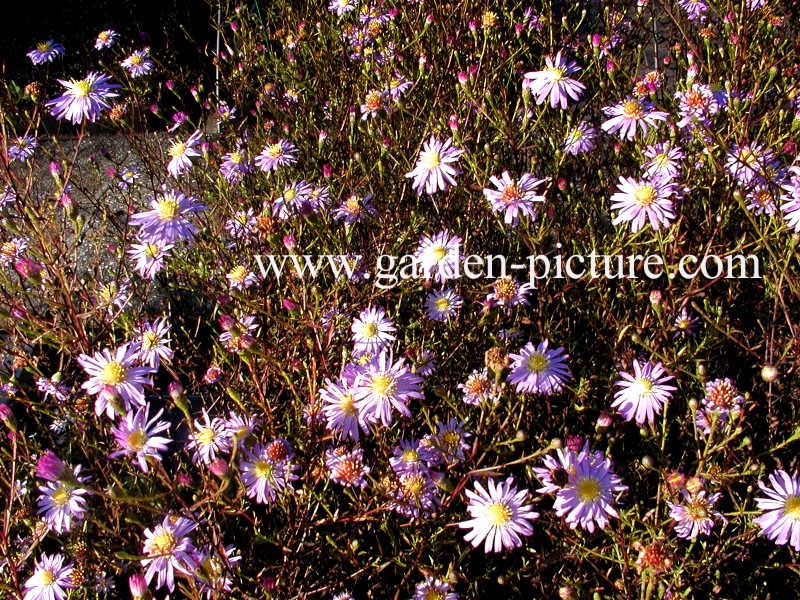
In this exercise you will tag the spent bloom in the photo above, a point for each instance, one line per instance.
(84, 98)
(51, 579)
(501, 516)
(116, 376)
(436, 166)
(512, 197)
(629, 114)
(346, 466)
(641, 201)
(45, 52)
(552, 82)
(539, 370)
(644, 393)
(695, 515)
(167, 220)
(780, 520)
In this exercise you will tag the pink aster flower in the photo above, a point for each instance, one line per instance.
(346, 466)
(501, 516)
(51, 579)
(116, 376)
(169, 550)
(552, 81)
(539, 370)
(154, 342)
(587, 499)
(84, 98)
(137, 436)
(513, 198)
(630, 114)
(643, 394)
(781, 519)
(640, 201)
(436, 166)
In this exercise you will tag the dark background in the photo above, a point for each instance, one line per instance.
(177, 30)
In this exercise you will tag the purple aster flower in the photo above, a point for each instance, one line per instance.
(384, 385)
(341, 6)
(106, 39)
(640, 201)
(138, 63)
(438, 257)
(242, 225)
(241, 428)
(695, 9)
(791, 199)
(340, 410)
(415, 495)
(664, 163)
(62, 502)
(435, 169)
(149, 257)
(209, 438)
(587, 499)
(513, 198)
(398, 86)
(555, 473)
(280, 154)
(630, 113)
(643, 394)
(239, 278)
(169, 550)
(84, 99)
(45, 52)
(116, 376)
(53, 388)
(137, 435)
(450, 441)
(238, 336)
(182, 153)
(781, 519)
(507, 292)
(154, 342)
(552, 81)
(411, 456)
(22, 148)
(51, 579)
(722, 396)
(51, 468)
(11, 250)
(264, 477)
(761, 196)
(372, 331)
(538, 370)
(346, 466)
(579, 139)
(748, 163)
(291, 201)
(235, 165)
(695, 515)
(501, 516)
(443, 305)
(684, 324)
(166, 222)
(434, 589)
(354, 208)
(127, 177)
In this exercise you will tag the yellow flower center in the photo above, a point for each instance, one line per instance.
(369, 330)
(82, 88)
(162, 543)
(347, 405)
(113, 373)
(631, 109)
(136, 60)
(537, 362)
(382, 385)
(643, 386)
(235, 157)
(263, 469)
(353, 205)
(588, 489)
(645, 195)
(43, 46)
(205, 435)
(430, 159)
(177, 149)
(442, 304)
(792, 508)
(555, 73)
(434, 595)
(46, 578)
(275, 151)
(136, 439)
(238, 273)
(289, 194)
(151, 251)
(150, 340)
(498, 514)
(414, 485)
(451, 439)
(438, 253)
(410, 456)
(61, 496)
(167, 208)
